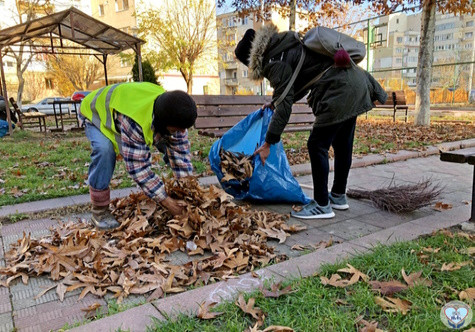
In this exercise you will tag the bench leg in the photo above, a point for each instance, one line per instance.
(394, 116)
(472, 216)
(405, 120)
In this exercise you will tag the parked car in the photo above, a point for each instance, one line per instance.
(44, 106)
(79, 95)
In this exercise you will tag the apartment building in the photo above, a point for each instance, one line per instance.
(453, 42)
(121, 14)
(233, 75)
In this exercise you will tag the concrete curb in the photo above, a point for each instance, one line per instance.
(138, 318)
(302, 169)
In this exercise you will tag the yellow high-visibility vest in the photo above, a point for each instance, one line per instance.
(134, 100)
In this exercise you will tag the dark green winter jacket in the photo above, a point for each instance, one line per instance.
(341, 93)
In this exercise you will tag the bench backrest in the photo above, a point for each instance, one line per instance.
(394, 98)
(219, 113)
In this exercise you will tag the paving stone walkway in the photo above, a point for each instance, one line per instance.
(358, 229)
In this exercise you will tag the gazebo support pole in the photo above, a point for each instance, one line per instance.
(5, 95)
(139, 62)
(104, 62)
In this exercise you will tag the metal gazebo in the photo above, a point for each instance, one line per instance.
(45, 35)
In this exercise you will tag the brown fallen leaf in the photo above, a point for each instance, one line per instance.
(390, 304)
(439, 206)
(467, 294)
(61, 290)
(91, 310)
(297, 208)
(276, 291)
(323, 244)
(415, 279)
(387, 287)
(356, 274)
(204, 313)
(277, 328)
(468, 251)
(368, 326)
(432, 250)
(453, 266)
(249, 308)
(298, 247)
(336, 281)
(43, 292)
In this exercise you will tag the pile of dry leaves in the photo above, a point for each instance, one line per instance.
(235, 166)
(133, 258)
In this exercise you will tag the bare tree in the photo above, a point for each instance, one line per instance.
(73, 72)
(24, 12)
(183, 31)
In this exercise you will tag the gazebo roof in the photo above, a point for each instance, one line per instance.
(74, 25)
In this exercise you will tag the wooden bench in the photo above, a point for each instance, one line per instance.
(462, 156)
(217, 114)
(23, 117)
(396, 102)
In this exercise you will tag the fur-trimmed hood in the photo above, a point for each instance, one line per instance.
(259, 46)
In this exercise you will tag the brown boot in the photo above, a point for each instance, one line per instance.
(102, 218)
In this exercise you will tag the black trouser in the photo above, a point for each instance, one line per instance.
(340, 136)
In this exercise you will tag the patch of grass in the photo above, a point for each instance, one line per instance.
(314, 307)
(112, 308)
(13, 218)
(56, 165)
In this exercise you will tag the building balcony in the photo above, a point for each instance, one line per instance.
(231, 81)
(230, 65)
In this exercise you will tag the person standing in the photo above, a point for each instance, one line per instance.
(342, 93)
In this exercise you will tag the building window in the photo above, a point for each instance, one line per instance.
(244, 73)
(397, 21)
(234, 74)
(245, 21)
(399, 40)
(469, 24)
(101, 10)
(121, 5)
(468, 46)
(205, 89)
(9, 64)
(49, 83)
(468, 34)
(398, 60)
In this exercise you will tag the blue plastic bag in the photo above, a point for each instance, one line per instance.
(272, 182)
(4, 127)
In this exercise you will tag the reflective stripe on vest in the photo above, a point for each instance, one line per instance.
(134, 100)
(96, 120)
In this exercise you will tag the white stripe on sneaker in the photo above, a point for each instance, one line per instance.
(340, 207)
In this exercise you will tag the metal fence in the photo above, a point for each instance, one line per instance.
(392, 53)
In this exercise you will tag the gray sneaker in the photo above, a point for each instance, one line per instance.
(314, 211)
(338, 202)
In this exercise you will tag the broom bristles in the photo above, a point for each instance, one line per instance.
(400, 198)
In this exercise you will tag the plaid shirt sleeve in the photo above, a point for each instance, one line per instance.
(178, 151)
(137, 157)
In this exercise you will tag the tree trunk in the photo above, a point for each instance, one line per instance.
(21, 84)
(188, 77)
(189, 84)
(293, 13)
(424, 65)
